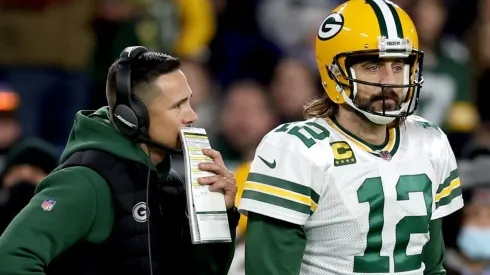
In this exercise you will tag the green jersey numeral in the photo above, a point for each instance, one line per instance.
(371, 191)
(320, 134)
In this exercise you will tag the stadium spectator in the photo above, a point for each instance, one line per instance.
(28, 162)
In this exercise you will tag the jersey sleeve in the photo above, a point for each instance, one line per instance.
(448, 198)
(283, 184)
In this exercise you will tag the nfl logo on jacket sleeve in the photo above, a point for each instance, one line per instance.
(47, 205)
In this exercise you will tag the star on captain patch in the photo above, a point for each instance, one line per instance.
(47, 205)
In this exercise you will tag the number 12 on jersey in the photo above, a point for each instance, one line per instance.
(371, 192)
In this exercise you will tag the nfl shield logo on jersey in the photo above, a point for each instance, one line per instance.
(47, 205)
(385, 155)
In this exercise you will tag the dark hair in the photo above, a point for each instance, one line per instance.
(144, 71)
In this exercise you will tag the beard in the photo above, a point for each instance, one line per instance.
(386, 101)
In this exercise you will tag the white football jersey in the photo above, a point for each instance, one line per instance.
(365, 209)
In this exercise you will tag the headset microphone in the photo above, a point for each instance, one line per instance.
(150, 143)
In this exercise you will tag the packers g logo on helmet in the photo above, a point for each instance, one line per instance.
(368, 28)
(331, 26)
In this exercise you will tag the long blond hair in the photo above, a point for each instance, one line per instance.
(324, 107)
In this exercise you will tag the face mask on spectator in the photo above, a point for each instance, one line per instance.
(474, 242)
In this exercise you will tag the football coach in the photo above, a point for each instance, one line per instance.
(114, 205)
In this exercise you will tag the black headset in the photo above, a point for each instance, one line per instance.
(129, 113)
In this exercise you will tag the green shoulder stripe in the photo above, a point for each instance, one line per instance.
(447, 182)
(449, 189)
(449, 198)
(284, 184)
(274, 200)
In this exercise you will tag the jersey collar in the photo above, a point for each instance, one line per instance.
(390, 145)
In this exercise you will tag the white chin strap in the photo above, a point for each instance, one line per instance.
(378, 118)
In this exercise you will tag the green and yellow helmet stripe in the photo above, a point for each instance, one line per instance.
(389, 22)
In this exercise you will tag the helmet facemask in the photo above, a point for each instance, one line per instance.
(388, 48)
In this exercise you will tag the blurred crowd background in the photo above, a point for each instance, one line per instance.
(251, 65)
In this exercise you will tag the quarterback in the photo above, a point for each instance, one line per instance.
(360, 187)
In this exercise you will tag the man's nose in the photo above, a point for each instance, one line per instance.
(388, 75)
(190, 118)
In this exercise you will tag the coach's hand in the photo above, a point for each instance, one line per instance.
(223, 180)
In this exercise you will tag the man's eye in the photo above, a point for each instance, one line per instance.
(374, 68)
(397, 68)
(180, 104)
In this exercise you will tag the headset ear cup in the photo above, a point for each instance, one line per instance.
(126, 120)
(141, 112)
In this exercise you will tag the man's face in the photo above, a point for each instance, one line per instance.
(246, 117)
(477, 215)
(24, 172)
(292, 87)
(429, 17)
(386, 71)
(170, 109)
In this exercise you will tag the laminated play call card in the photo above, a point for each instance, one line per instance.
(207, 210)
